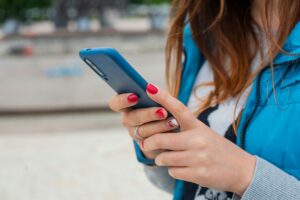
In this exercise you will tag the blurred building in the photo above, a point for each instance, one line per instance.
(66, 10)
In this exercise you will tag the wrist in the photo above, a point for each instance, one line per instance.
(247, 170)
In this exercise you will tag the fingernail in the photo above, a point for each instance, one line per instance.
(160, 113)
(152, 89)
(158, 162)
(132, 98)
(173, 123)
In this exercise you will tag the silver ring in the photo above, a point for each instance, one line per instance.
(136, 133)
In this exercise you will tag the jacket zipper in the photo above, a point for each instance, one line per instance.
(258, 98)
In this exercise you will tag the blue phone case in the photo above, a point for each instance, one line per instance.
(117, 73)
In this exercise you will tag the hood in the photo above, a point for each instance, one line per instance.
(291, 46)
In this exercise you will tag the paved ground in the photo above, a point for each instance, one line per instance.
(49, 124)
(80, 165)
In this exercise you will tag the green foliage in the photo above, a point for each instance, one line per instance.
(17, 8)
(149, 1)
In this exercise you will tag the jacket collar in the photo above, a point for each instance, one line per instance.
(194, 59)
(291, 47)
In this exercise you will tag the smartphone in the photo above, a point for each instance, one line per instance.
(117, 73)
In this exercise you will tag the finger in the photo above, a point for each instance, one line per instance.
(174, 159)
(122, 101)
(141, 116)
(151, 128)
(131, 131)
(171, 104)
(182, 173)
(166, 141)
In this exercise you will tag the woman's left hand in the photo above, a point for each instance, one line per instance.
(197, 154)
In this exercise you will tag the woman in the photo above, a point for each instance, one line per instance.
(238, 108)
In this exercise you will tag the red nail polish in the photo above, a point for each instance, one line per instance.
(142, 144)
(152, 89)
(160, 113)
(132, 98)
(173, 123)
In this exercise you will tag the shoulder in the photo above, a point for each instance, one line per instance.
(292, 75)
(286, 79)
(188, 40)
(191, 50)
(187, 33)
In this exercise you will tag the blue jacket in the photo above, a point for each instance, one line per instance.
(270, 123)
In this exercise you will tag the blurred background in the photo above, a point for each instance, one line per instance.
(58, 140)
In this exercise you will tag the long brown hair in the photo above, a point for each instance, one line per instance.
(223, 30)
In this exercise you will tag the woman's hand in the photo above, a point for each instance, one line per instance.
(197, 154)
(149, 120)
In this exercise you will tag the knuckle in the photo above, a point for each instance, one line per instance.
(180, 109)
(174, 141)
(138, 119)
(124, 120)
(133, 118)
(175, 159)
(165, 125)
(121, 100)
(164, 95)
(111, 104)
(130, 132)
(202, 158)
(150, 113)
(142, 131)
(200, 143)
(157, 141)
(115, 102)
(203, 173)
(150, 129)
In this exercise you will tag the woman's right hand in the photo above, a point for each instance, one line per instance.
(149, 120)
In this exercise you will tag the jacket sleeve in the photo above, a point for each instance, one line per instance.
(270, 182)
(159, 177)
